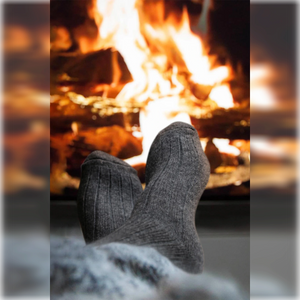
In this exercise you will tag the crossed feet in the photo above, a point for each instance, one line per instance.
(113, 207)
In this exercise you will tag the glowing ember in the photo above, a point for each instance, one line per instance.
(224, 146)
(222, 96)
(74, 127)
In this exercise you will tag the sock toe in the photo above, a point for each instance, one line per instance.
(175, 130)
(103, 156)
(107, 193)
(177, 126)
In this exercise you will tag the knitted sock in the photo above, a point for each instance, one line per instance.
(107, 193)
(177, 172)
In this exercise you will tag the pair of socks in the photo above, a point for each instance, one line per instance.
(113, 207)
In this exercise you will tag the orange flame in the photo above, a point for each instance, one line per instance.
(224, 146)
(155, 55)
(222, 96)
(123, 28)
(192, 52)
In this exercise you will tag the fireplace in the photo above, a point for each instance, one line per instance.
(123, 70)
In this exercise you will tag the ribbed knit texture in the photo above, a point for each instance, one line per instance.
(177, 172)
(107, 194)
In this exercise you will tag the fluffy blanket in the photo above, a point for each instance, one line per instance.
(120, 271)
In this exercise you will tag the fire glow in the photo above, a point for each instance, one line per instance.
(133, 68)
(157, 51)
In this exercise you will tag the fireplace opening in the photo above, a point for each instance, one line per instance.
(121, 71)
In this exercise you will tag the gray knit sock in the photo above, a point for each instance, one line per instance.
(107, 193)
(177, 172)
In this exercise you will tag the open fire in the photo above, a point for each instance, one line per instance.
(173, 78)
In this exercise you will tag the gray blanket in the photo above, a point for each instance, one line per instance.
(120, 271)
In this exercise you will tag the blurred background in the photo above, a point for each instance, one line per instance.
(274, 148)
(275, 94)
(26, 100)
(26, 163)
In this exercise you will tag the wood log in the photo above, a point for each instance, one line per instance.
(213, 155)
(114, 140)
(64, 112)
(200, 91)
(231, 124)
(86, 69)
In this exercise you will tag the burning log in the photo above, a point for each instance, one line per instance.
(69, 150)
(77, 146)
(114, 140)
(64, 112)
(200, 91)
(104, 66)
(220, 161)
(230, 124)
(229, 160)
(213, 155)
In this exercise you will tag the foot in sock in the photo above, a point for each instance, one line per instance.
(107, 193)
(177, 172)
